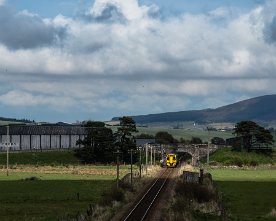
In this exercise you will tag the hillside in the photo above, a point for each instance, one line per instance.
(5, 121)
(260, 109)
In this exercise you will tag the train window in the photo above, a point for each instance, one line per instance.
(174, 158)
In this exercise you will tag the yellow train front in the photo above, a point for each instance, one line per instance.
(171, 160)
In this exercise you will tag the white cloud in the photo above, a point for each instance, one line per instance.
(2, 2)
(126, 60)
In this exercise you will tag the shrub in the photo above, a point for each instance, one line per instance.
(253, 163)
(115, 194)
(194, 191)
(33, 178)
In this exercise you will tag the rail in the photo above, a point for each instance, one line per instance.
(141, 210)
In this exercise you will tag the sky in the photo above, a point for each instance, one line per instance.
(75, 60)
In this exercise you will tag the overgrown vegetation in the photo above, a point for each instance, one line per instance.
(193, 201)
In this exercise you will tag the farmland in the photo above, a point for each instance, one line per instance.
(247, 193)
(52, 188)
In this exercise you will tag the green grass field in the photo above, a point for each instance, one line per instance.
(48, 199)
(248, 194)
(226, 156)
(53, 194)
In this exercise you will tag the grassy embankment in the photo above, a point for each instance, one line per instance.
(248, 192)
(51, 185)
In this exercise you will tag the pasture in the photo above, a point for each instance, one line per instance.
(249, 194)
(51, 185)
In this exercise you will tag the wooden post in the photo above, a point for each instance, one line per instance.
(131, 151)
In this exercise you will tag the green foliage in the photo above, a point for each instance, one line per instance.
(125, 138)
(227, 157)
(145, 136)
(98, 144)
(252, 136)
(163, 137)
(196, 140)
(218, 141)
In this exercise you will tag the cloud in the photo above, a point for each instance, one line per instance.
(121, 58)
(26, 31)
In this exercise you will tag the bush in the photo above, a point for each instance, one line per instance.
(194, 191)
(253, 163)
(115, 194)
(33, 178)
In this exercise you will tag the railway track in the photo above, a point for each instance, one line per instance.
(142, 208)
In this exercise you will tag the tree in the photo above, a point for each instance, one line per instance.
(124, 136)
(252, 136)
(163, 137)
(98, 145)
(218, 141)
(144, 136)
(196, 140)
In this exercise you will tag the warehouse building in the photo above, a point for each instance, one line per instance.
(40, 137)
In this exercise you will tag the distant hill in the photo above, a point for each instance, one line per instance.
(259, 109)
(5, 120)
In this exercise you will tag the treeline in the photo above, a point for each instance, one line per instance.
(102, 144)
(17, 120)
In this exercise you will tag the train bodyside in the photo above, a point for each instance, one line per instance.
(171, 160)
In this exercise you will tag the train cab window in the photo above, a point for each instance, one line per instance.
(173, 157)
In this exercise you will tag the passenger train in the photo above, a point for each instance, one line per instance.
(171, 160)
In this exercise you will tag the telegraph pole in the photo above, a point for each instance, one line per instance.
(208, 149)
(131, 151)
(150, 154)
(140, 166)
(147, 159)
(118, 172)
(8, 146)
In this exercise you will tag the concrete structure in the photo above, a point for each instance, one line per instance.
(197, 151)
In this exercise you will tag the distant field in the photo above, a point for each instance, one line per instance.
(187, 134)
(248, 194)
